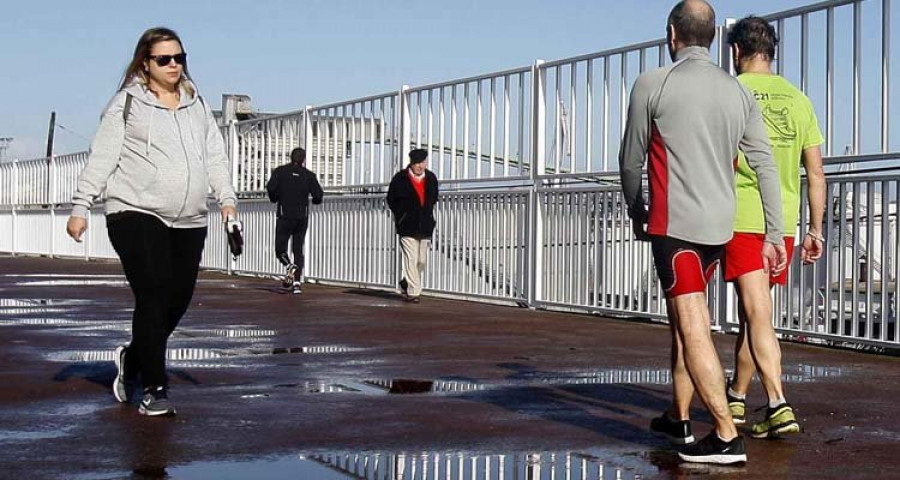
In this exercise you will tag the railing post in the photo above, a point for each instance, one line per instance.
(89, 218)
(51, 199)
(15, 204)
(725, 58)
(885, 75)
(535, 239)
(308, 134)
(405, 131)
(233, 156)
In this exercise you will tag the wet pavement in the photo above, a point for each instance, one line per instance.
(345, 383)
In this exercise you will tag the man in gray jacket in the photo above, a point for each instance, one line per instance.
(689, 119)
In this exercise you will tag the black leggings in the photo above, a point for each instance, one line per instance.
(295, 229)
(161, 265)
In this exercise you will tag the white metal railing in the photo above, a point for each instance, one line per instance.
(580, 257)
(474, 128)
(464, 466)
(356, 142)
(259, 146)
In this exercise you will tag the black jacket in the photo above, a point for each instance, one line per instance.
(411, 218)
(290, 187)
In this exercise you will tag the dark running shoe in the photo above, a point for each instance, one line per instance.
(404, 286)
(120, 385)
(156, 402)
(779, 421)
(738, 407)
(297, 290)
(289, 276)
(712, 449)
(678, 432)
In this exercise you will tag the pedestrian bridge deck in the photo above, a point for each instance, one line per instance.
(261, 377)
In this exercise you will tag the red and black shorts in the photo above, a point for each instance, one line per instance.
(684, 267)
(743, 254)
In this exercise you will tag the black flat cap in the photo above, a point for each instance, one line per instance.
(418, 155)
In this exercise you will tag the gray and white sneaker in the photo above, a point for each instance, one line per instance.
(120, 385)
(297, 290)
(156, 402)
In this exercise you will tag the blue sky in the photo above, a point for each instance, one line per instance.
(68, 56)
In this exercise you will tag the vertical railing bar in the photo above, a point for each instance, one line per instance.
(829, 85)
(885, 75)
(442, 126)
(589, 116)
(492, 137)
(857, 80)
(466, 132)
(557, 124)
(573, 114)
(479, 130)
(606, 114)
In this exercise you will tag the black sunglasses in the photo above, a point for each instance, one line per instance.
(163, 60)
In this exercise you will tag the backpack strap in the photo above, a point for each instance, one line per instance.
(127, 109)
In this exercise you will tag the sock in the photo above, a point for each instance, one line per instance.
(777, 402)
(722, 439)
(739, 396)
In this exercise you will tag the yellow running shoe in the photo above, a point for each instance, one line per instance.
(779, 421)
(738, 407)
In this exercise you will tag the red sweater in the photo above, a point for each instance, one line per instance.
(419, 185)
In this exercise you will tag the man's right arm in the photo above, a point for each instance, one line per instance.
(633, 152)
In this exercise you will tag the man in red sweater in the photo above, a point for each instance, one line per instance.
(412, 194)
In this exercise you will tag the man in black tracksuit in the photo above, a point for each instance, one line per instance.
(290, 187)
(411, 197)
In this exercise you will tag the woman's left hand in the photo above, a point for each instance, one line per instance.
(229, 211)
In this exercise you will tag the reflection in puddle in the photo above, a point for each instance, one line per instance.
(61, 275)
(221, 332)
(522, 380)
(73, 283)
(30, 436)
(182, 354)
(421, 466)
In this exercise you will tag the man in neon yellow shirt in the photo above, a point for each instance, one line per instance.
(795, 138)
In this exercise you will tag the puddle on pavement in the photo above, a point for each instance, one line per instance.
(221, 332)
(74, 282)
(522, 380)
(600, 465)
(190, 354)
(10, 436)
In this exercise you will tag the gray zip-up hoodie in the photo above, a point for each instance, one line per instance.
(690, 119)
(161, 162)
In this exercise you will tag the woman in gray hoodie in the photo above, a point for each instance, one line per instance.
(156, 154)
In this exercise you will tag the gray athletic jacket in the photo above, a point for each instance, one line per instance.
(690, 119)
(162, 162)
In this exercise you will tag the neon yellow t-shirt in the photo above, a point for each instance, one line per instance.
(792, 126)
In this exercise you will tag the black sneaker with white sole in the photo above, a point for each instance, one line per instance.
(290, 276)
(404, 287)
(121, 385)
(296, 290)
(156, 402)
(712, 449)
(678, 432)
